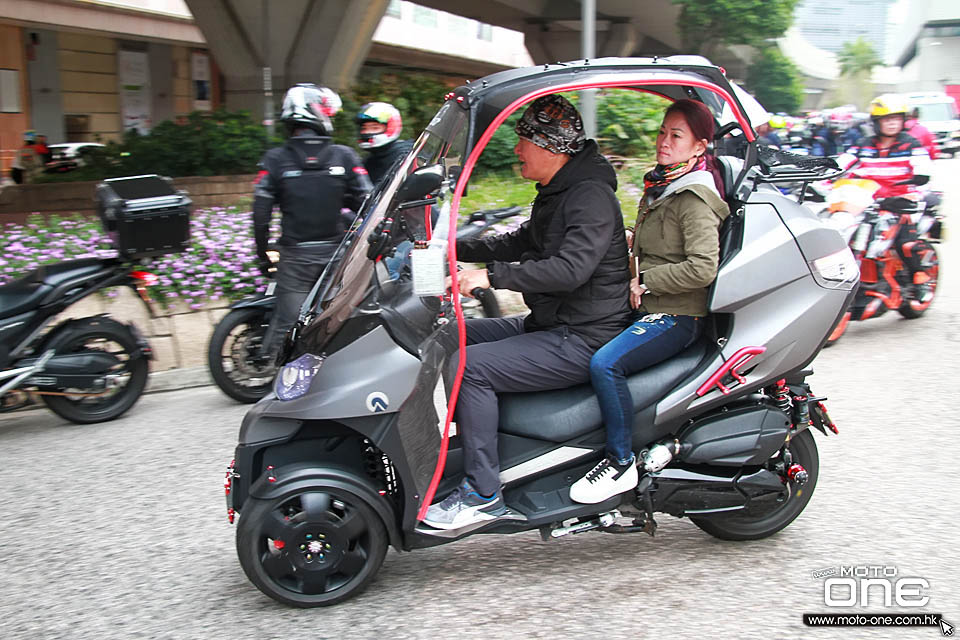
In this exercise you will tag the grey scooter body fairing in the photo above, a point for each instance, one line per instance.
(771, 296)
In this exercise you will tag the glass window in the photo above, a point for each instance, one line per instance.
(424, 16)
(484, 31)
(393, 9)
(458, 26)
(9, 91)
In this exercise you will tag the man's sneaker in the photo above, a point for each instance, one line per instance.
(464, 506)
(605, 480)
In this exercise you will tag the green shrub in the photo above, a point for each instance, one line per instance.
(204, 144)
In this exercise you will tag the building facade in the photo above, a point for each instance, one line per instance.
(88, 70)
(828, 24)
(930, 47)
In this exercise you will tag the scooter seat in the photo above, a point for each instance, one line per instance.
(30, 290)
(60, 272)
(562, 414)
(21, 295)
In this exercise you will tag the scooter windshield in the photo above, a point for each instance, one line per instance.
(346, 281)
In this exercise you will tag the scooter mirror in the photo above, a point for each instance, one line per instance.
(421, 183)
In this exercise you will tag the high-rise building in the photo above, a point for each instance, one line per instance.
(828, 24)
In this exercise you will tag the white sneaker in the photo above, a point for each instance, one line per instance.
(604, 481)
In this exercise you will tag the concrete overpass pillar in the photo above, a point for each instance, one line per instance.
(321, 41)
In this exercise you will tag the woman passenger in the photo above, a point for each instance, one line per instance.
(676, 245)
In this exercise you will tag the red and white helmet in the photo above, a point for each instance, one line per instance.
(381, 113)
(308, 105)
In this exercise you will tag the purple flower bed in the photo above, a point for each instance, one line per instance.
(219, 265)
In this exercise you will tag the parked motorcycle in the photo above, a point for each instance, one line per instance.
(234, 353)
(345, 457)
(85, 370)
(90, 369)
(882, 235)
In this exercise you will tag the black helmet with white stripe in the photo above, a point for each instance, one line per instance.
(312, 106)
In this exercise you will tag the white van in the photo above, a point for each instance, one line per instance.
(938, 113)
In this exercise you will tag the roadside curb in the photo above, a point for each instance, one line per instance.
(175, 379)
(157, 382)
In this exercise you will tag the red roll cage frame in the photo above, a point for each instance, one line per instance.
(623, 83)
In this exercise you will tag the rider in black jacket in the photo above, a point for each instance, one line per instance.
(379, 125)
(570, 263)
(312, 180)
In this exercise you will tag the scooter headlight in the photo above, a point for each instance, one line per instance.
(836, 271)
(294, 378)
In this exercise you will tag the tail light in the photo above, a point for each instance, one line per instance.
(147, 278)
(836, 271)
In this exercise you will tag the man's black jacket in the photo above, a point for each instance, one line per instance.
(381, 159)
(311, 180)
(570, 259)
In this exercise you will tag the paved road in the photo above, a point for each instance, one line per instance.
(118, 530)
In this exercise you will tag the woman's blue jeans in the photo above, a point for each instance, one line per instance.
(652, 338)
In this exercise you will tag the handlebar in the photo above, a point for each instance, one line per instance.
(480, 294)
(495, 214)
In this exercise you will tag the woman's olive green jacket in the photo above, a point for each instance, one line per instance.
(677, 247)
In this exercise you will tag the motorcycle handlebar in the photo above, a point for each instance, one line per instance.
(489, 215)
(480, 294)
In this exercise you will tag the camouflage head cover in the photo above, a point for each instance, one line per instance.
(554, 124)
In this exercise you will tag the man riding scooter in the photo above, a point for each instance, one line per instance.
(570, 263)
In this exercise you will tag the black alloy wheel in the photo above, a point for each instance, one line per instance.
(126, 380)
(234, 355)
(763, 522)
(311, 548)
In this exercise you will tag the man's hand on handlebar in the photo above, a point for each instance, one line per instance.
(470, 279)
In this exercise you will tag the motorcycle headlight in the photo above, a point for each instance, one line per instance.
(294, 378)
(836, 271)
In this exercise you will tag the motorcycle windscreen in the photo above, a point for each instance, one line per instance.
(345, 281)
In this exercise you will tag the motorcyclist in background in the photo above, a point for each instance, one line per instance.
(312, 180)
(921, 133)
(379, 126)
(893, 159)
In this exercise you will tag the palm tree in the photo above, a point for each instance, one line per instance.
(857, 57)
(857, 60)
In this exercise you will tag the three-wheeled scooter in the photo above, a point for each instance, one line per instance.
(342, 460)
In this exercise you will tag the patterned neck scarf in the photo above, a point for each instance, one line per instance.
(656, 180)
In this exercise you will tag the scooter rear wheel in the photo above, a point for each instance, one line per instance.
(742, 525)
(130, 374)
(312, 547)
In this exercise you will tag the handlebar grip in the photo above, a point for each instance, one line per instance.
(479, 293)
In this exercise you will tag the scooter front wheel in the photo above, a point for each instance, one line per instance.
(233, 355)
(838, 330)
(925, 282)
(748, 525)
(313, 547)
